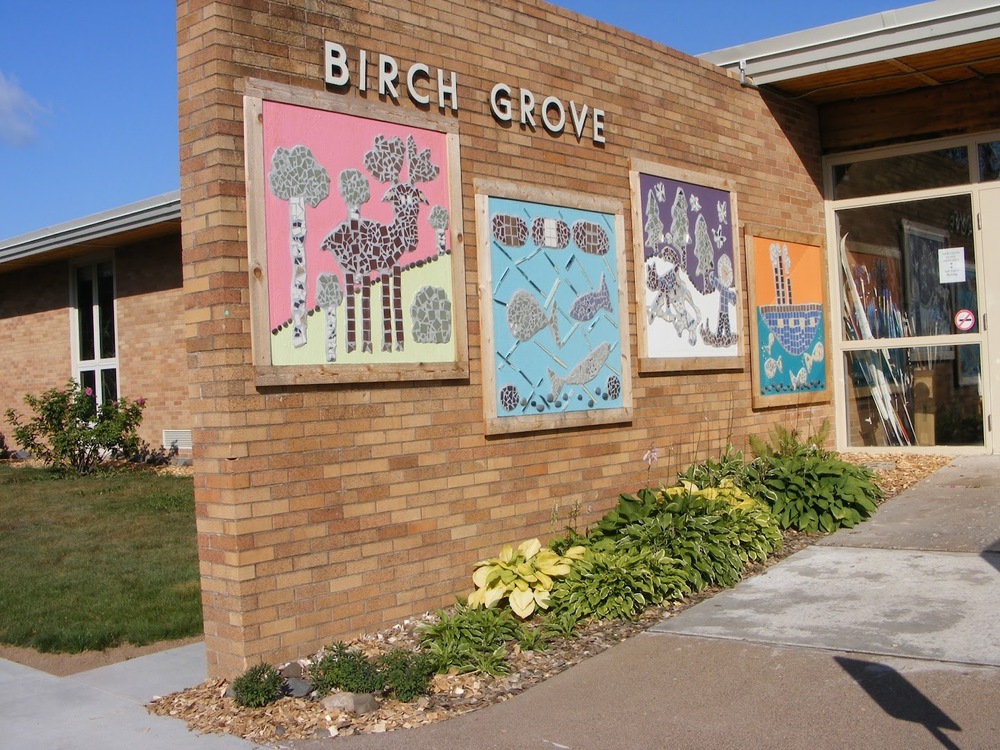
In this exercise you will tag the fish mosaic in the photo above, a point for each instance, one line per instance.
(584, 371)
(526, 317)
(587, 305)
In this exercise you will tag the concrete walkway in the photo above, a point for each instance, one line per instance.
(884, 636)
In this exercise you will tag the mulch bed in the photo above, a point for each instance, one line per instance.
(205, 708)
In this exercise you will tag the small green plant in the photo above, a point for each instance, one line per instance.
(533, 638)
(470, 639)
(68, 430)
(559, 624)
(258, 686)
(817, 492)
(787, 443)
(406, 673)
(5, 451)
(340, 668)
(710, 473)
(523, 577)
(618, 584)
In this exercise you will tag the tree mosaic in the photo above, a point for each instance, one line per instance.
(375, 271)
(557, 322)
(687, 270)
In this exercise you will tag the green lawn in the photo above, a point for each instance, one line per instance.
(94, 562)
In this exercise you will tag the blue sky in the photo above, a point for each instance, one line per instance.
(88, 98)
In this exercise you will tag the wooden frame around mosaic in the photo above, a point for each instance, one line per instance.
(655, 353)
(455, 363)
(762, 360)
(541, 411)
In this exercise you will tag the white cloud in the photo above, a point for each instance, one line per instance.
(18, 113)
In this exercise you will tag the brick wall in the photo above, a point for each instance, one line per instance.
(34, 331)
(153, 358)
(35, 328)
(326, 511)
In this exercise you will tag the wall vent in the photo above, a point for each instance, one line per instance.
(179, 438)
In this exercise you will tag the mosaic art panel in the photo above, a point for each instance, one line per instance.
(557, 317)
(687, 270)
(358, 253)
(788, 307)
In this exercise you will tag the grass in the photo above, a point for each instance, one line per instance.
(88, 563)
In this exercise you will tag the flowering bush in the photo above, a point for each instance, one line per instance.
(69, 430)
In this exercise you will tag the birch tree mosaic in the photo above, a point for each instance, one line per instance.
(556, 313)
(687, 270)
(374, 275)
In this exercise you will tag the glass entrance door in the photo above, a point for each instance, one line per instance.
(912, 336)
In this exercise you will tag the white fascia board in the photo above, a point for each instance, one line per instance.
(881, 36)
(166, 207)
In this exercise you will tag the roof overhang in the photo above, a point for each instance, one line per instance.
(923, 45)
(146, 219)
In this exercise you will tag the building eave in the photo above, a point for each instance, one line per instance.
(892, 34)
(88, 230)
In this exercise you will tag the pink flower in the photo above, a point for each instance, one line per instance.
(88, 391)
(141, 401)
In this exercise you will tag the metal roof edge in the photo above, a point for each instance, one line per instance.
(166, 207)
(893, 33)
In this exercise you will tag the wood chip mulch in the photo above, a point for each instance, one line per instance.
(206, 709)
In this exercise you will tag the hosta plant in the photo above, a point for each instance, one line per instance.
(523, 577)
(817, 492)
(471, 640)
(618, 584)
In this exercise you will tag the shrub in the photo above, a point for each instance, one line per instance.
(471, 639)
(712, 533)
(69, 431)
(340, 668)
(5, 451)
(817, 492)
(523, 577)
(406, 673)
(258, 686)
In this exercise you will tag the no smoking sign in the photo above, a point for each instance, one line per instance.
(965, 320)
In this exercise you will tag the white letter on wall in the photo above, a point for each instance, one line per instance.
(388, 74)
(556, 127)
(411, 88)
(599, 126)
(449, 91)
(500, 102)
(579, 118)
(335, 67)
(527, 108)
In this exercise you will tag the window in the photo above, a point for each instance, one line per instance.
(95, 350)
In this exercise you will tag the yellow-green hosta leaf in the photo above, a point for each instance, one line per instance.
(522, 585)
(542, 599)
(543, 580)
(506, 553)
(575, 553)
(529, 548)
(480, 576)
(522, 603)
(476, 598)
(555, 569)
(493, 595)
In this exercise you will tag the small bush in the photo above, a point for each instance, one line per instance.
(787, 443)
(471, 640)
(5, 451)
(341, 669)
(258, 686)
(68, 430)
(406, 674)
(618, 584)
(813, 492)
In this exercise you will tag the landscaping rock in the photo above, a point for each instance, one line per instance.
(357, 703)
(297, 688)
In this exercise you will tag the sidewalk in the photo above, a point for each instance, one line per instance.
(884, 636)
